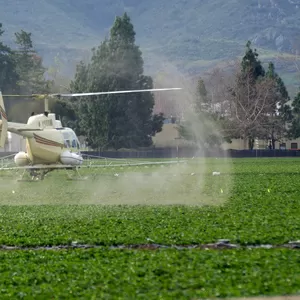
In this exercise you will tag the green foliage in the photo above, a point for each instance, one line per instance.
(31, 78)
(8, 74)
(281, 117)
(21, 71)
(157, 123)
(201, 90)
(204, 126)
(294, 130)
(118, 121)
(251, 64)
(261, 208)
(66, 112)
(259, 101)
(29, 66)
(280, 86)
(163, 274)
(201, 99)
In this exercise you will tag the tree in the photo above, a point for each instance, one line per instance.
(204, 125)
(252, 70)
(201, 96)
(59, 82)
(31, 79)
(8, 73)
(92, 112)
(29, 66)
(258, 101)
(257, 105)
(123, 120)
(251, 64)
(294, 130)
(64, 110)
(157, 123)
(242, 102)
(250, 104)
(280, 115)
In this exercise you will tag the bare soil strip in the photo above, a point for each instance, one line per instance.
(267, 298)
(221, 245)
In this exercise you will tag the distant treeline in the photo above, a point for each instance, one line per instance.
(242, 100)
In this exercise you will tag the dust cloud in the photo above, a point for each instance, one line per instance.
(200, 180)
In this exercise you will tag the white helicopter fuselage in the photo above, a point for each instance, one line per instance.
(47, 142)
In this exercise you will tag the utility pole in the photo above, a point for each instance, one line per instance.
(177, 146)
(257, 145)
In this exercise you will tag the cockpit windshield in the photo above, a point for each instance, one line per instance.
(70, 139)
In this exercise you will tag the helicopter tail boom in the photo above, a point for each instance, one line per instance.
(4, 122)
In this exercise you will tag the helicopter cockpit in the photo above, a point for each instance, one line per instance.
(70, 139)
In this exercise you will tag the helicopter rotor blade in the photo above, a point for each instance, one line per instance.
(43, 96)
(40, 96)
(114, 92)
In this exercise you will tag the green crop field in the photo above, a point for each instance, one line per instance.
(152, 232)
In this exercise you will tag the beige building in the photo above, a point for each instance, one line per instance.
(14, 143)
(238, 144)
(169, 137)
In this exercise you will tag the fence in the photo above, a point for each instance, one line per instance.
(186, 153)
(189, 152)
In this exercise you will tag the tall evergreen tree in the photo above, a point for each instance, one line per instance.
(201, 96)
(29, 65)
(123, 120)
(251, 64)
(8, 74)
(251, 71)
(31, 79)
(294, 130)
(280, 113)
(280, 86)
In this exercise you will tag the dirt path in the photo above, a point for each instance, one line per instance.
(267, 298)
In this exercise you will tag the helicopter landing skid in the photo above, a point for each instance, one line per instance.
(35, 175)
(38, 174)
(75, 176)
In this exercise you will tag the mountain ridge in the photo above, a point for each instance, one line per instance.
(193, 35)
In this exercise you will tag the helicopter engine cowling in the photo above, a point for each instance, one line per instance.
(70, 158)
(21, 159)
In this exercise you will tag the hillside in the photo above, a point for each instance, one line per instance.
(194, 34)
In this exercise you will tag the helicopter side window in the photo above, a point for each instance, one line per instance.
(66, 139)
(70, 139)
(75, 142)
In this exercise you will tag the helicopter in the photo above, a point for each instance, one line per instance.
(49, 145)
